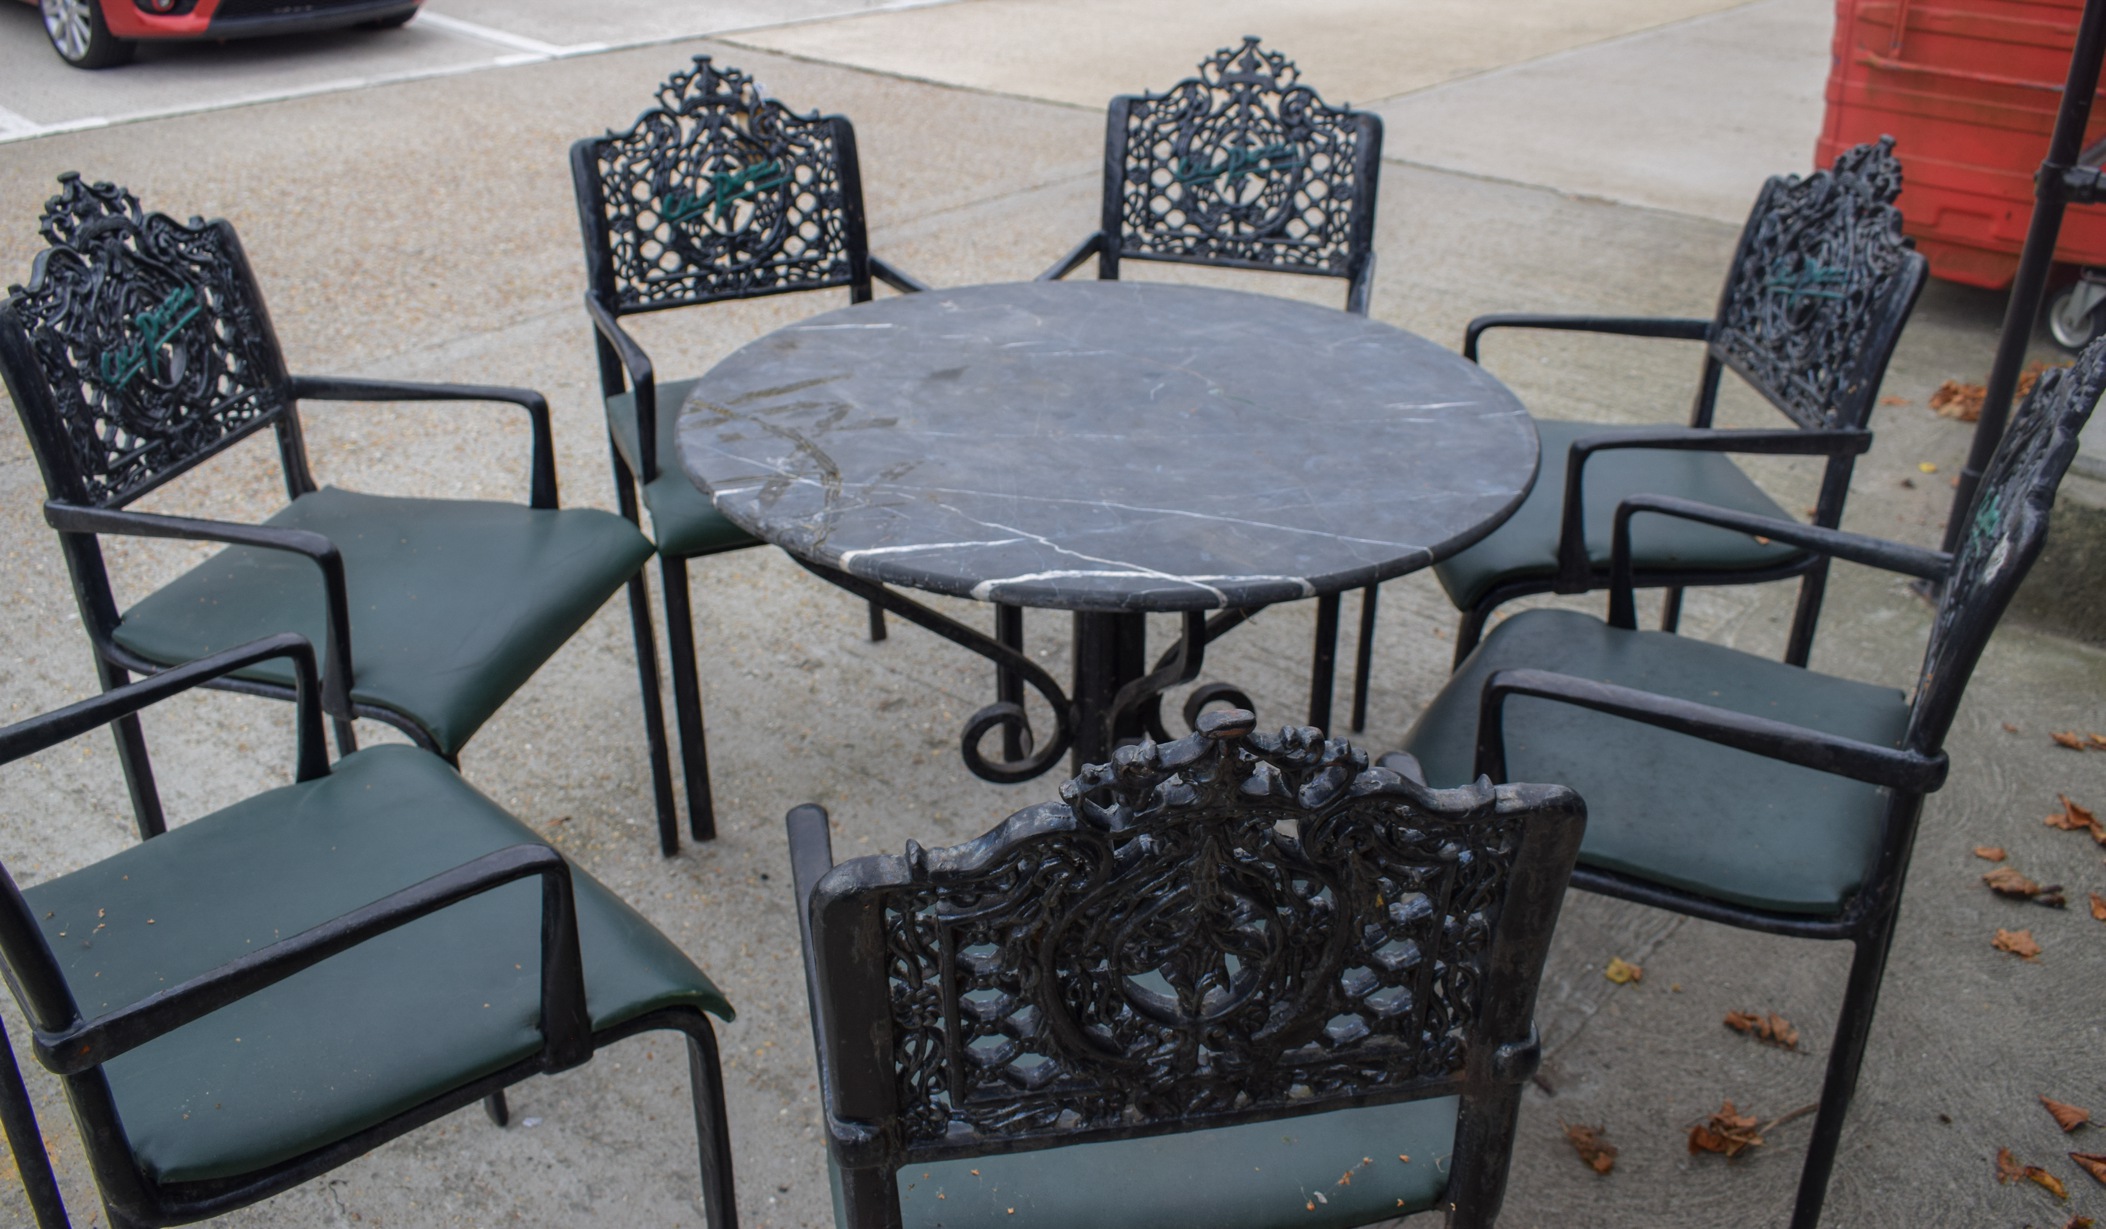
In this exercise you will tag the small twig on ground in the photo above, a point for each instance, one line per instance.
(1781, 1119)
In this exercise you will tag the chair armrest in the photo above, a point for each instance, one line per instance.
(1575, 573)
(643, 386)
(336, 641)
(811, 856)
(1892, 767)
(1671, 327)
(48, 730)
(894, 276)
(1836, 543)
(541, 490)
(566, 1026)
(1073, 260)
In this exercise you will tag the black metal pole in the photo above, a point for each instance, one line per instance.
(2051, 197)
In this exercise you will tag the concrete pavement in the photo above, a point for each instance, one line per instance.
(424, 230)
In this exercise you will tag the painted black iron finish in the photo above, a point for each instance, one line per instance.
(1814, 302)
(141, 348)
(717, 192)
(75, 1047)
(1062, 446)
(1107, 943)
(1976, 584)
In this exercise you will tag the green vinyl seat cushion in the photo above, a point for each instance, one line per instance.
(1667, 807)
(683, 519)
(1525, 547)
(1253, 1176)
(364, 1035)
(454, 602)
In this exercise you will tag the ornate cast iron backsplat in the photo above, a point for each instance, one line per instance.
(721, 191)
(2009, 525)
(1820, 256)
(152, 338)
(1242, 165)
(1224, 924)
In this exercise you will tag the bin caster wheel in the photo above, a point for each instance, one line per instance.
(2075, 315)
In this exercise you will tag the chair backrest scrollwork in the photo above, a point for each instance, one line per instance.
(1820, 288)
(1229, 927)
(1242, 165)
(720, 192)
(2005, 535)
(139, 347)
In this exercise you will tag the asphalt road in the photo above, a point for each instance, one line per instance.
(41, 95)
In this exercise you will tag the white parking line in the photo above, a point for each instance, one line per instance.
(504, 38)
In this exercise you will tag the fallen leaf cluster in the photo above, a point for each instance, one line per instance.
(2069, 1118)
(1764, 1026)
(2073, 818)
(2008, 881)
(2019, 943)
(1728, 1132)
(1964, 401)
(2076, 740)
(1990, 853)
(1595, 1150)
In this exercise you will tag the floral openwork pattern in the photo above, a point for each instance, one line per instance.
(151, 338)
(2009, 525)
(1243, 165)
(1227, 922)
(1822, 270)
(721, 191)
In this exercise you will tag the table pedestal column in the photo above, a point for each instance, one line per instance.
(1111, 650)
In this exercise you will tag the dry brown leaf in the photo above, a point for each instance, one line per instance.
(2017, 942)
(1728, 1132)
(2007, 881)
(2067, 1116)
(1764, 1026)
(2098, 742)
(2098, 906)
(2008, 1169)
(2079, 1222)
(2052, 1183)
(1598, 1153)
(1622, 971)
(1990, 853)
(1893, 400)
(1956, 400)
(2093, 1163)
(2071, 739)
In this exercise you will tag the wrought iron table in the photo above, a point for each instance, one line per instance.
(1110, 449)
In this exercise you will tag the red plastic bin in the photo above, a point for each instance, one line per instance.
(1969, 90)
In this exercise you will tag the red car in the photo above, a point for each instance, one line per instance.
(99, 33)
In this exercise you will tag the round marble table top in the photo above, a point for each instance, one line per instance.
(1109, 446)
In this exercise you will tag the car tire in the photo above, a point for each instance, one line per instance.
(2071, 330)
(80, 35)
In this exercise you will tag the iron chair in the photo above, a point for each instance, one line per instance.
(1816, 297)
(718, 192)
(139, 350)
(1240, 167)
(1746, 791)
(254, 998)
(1222, 974)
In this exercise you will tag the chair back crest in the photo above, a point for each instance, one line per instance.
(1227, 927)
(1821, 286)
(2007, 528)
(139, 347)
(1243, 165)
(722, 192)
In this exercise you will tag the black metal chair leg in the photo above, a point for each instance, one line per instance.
(1811, 588)
(1847, 1054)
(687, 699)
(1009, 685)
(654, 715)
(131, 755)
(1468, 631)
(500, 1113)
(19, 1119)
(712, 1127)
(1671, 610)
(877, 622)
(346, 737)
(1323, 667)
(1364, 658)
